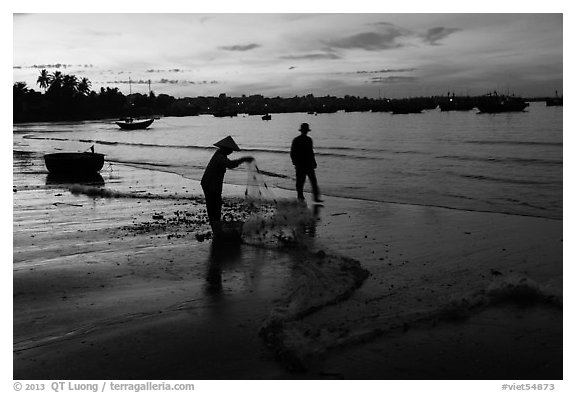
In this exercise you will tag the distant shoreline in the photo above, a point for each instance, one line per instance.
(67, 99)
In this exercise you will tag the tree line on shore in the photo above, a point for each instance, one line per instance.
(67, 98)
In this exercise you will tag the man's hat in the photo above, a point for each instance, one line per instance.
(304, 127)
(227, 143)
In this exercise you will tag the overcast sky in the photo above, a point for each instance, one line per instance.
(388, 55)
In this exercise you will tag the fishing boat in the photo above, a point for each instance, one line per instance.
(225, 113)
(498, 104)
(457, 104)
(555, 101)
(131, 124)
(74, 163)
(404, 107)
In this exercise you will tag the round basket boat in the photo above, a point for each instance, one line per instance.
(130, 124)
(74, 163)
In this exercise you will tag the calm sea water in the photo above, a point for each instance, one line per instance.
(508, 163)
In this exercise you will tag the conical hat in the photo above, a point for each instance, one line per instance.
(227, 143)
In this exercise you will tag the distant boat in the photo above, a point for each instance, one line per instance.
(404, 107)
(405, 111)
(558, 101)
(499, 104)
(225, 113)
(267, 117)
(381, 106)
(131, 124)
(74, 163)
(555, 101)
(457, 104)
(326, 110)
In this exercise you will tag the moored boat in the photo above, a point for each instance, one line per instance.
(555, 101)
(499, 104)
(225, 113)
(457, 104)
(74, 163)
(130, 124)
(405, 106)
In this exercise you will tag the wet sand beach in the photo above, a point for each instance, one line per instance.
(111, 282)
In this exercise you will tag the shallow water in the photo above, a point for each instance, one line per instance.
(418, 258)
(508, 163)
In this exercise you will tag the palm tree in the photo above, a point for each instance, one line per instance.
(70, 84)
(56, 80)
(84, 86)
(20, 88)
(44, 79)
(19, 91)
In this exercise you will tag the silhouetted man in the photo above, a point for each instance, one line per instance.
(213, 178)
(302, 155)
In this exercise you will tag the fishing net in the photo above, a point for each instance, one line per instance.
(273, 221)
(257, 191)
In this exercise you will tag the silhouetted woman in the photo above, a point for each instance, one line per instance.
(213, 178)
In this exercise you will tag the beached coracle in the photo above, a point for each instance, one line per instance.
(74, 163)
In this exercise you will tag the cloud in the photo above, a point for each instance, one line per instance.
(163, 70)
(240, 48)
(389, 36)
(99, 33)
(57, 65)
(312, 56)
(130, 81)
(162, 81)
(368, 41)
(435, 34)
(387, 24)
(386, 71)
(392, 79)
(385, 38)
